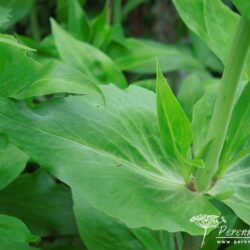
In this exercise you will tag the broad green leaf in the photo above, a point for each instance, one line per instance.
(4, 15)
(236, 181)
(19, 9)
(86, 58)
(244, 7)
(237, 140)
(14, 235)
(78, 23)
(41, 203)
(32, 79)
(116, 162)
(174, 126)
(12, 163)
(139, 57)
(100, 231)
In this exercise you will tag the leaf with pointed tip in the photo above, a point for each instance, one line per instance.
(12, 163)
(33, 79)
(99, 149)
(78, 23)
(86, 58)
(174, 126)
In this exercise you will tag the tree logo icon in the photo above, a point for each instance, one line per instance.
(206, 222)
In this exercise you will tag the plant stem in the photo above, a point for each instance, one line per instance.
(224, 104)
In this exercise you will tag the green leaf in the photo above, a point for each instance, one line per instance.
(86, 58)
(12, 163)
(32, 79)
(78, 23)
(4, 15)
(100, 231)
(208, 20)
(19, 9)
(43, 205)
(237, 140)
(243, 6)
(118, 148)
(202, 114)
(191, 90)
(101, 30)
(174, 126)
(237, 181)
(147, 238)
(14, 234)
(139, 57)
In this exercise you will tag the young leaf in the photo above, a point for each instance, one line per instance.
(119, 148)
(86, 58)
(78, 23)
(101, 30)
(44, 206)
(174, 126)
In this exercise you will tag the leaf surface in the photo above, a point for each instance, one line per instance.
(86, 58)
(44, 206)
(33, 79)
(110, 155)
(14, 234)
(12, 163)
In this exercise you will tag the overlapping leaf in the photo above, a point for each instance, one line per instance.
(14, 234)
(98, 150)
(44, 206)
(22, 77)
(12, 162)
(208, 20)
(139, 57)
(86, 58)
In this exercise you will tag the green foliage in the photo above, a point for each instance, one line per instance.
(95, 153)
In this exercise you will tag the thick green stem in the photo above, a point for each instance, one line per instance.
(117, 8)
(224, 104)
